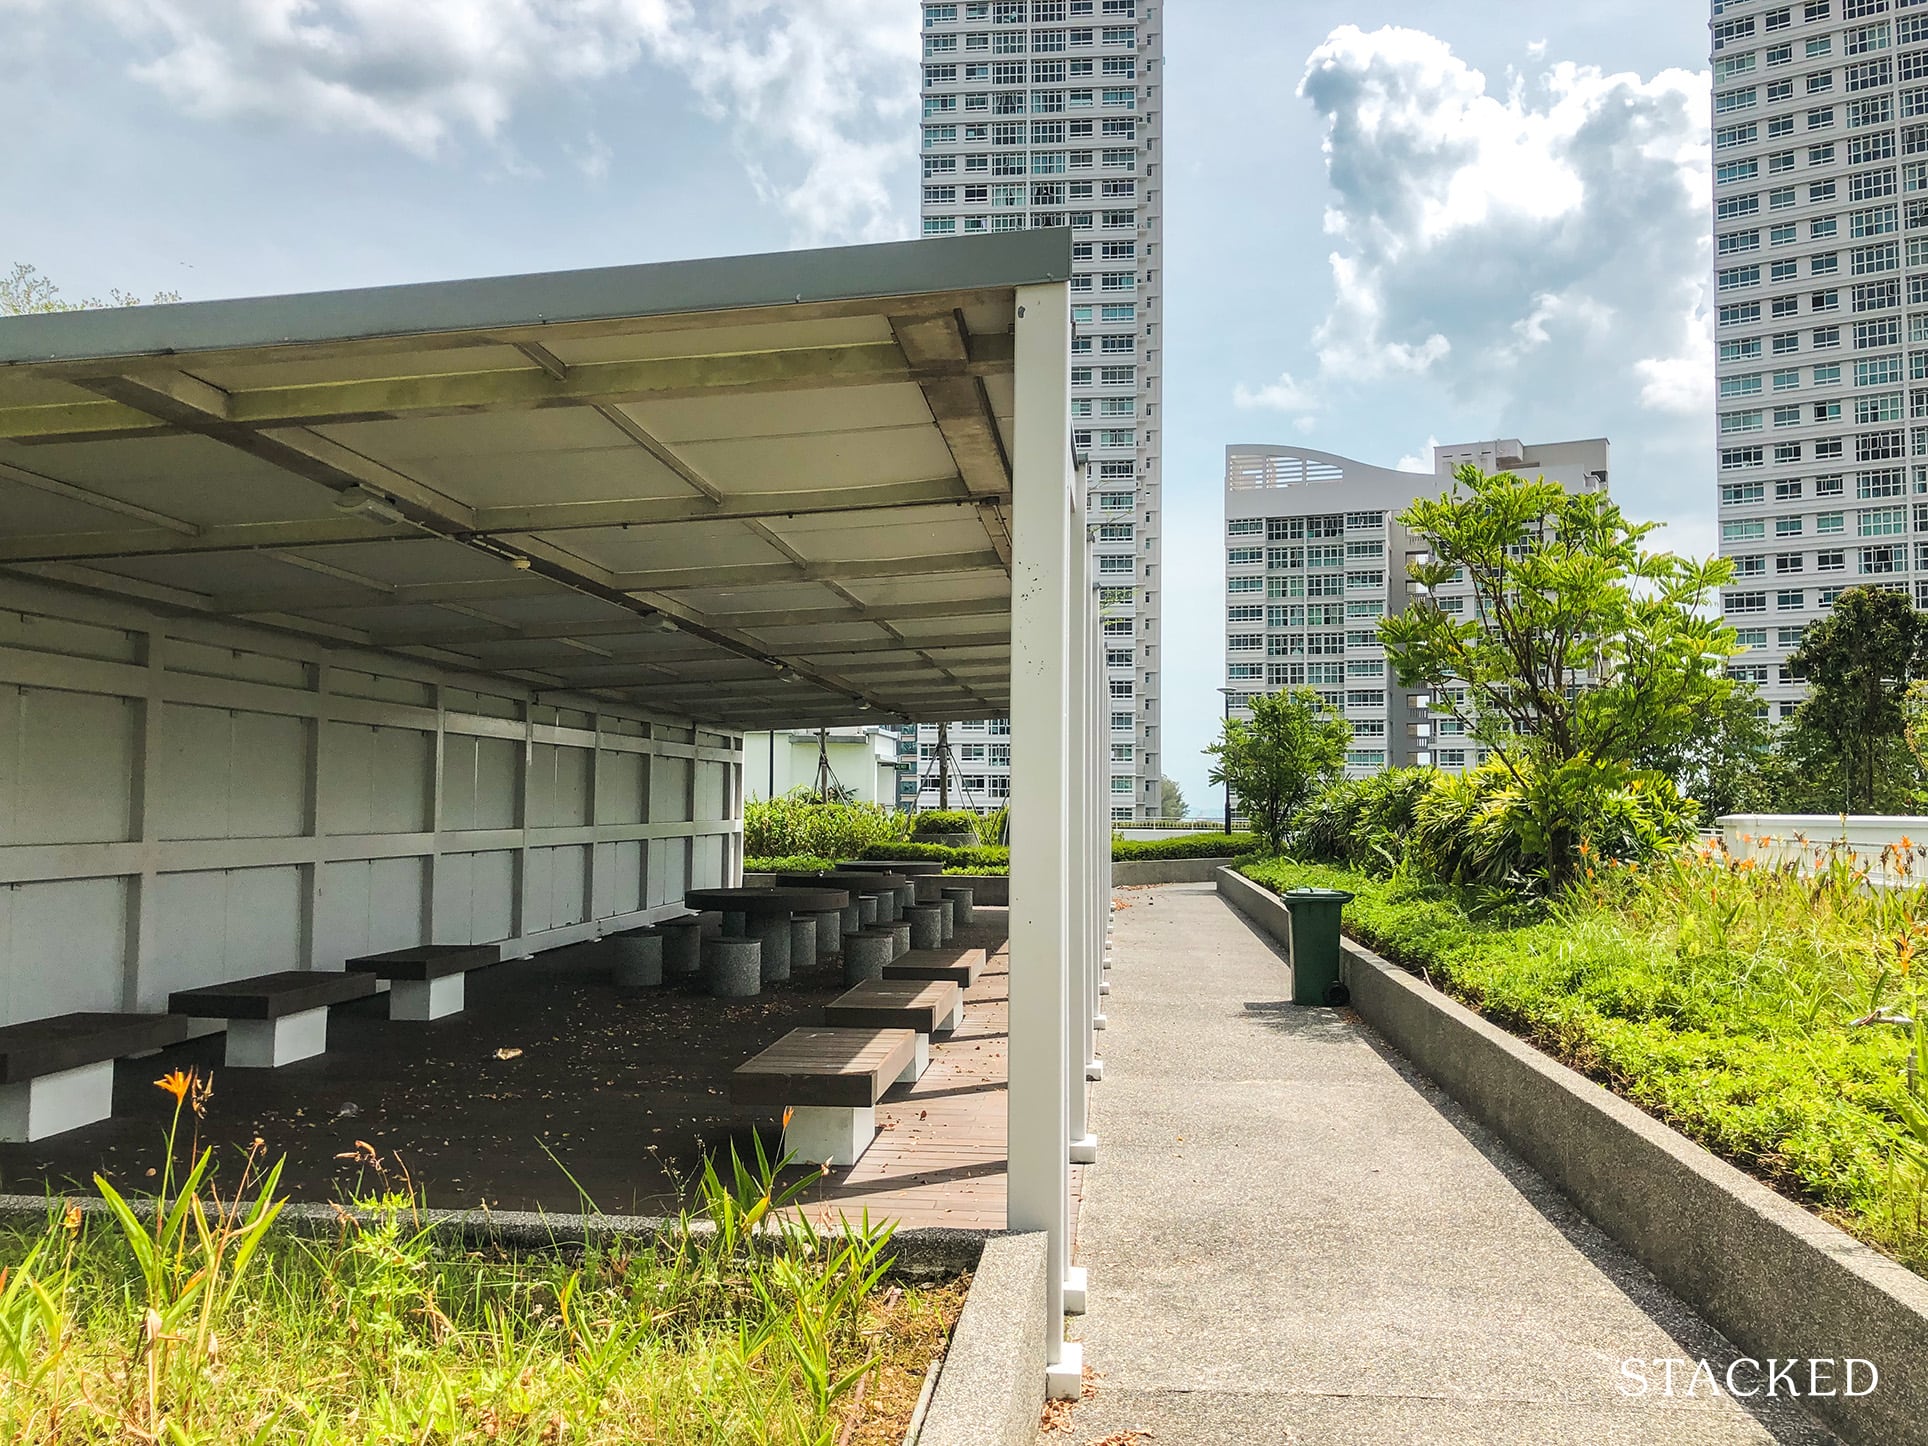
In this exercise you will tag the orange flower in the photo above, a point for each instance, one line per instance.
(176, 1082)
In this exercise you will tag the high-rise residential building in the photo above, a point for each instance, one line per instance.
(1315, 556)
(1821, 241)
(1047, 113)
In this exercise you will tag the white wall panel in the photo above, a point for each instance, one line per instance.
(669, 786)
(63, 946)
(623, 779)
(66, 766)
(376, 780)
(619, 878)
(221, 924)
(227, 774)
(292, 814)
(368, 906)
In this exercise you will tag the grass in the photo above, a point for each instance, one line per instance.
(1761, 1012)
(197, 1318)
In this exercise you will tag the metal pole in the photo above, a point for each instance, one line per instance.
(943, 765)
(1228, 787)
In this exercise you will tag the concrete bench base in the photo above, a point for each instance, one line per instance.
(866, 954)
(926, 926)
(271, 1043)
(636, 960)
(828, 1134)
(828, 1081)
(55, 1103)
(420, 1000)
(682, 947)
(920, 1061)
(734, 967)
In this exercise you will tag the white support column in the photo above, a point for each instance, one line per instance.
(1044, 529)
(142, 908)
(593, 875)
(525, 790)
(312, 785)
(1082, 1000)
(432, 884)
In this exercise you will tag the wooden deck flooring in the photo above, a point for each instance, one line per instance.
(939, 1157)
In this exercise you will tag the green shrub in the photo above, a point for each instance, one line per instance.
(1720, 998)
(982, 859)
(789, 864)
(1363, 821)
(1184, 846)
(796, 825)
(1487, 828)
(945, 820)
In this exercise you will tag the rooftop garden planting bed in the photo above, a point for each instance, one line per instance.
(1747, 1008)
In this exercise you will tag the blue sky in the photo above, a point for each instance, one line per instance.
(1513, 192)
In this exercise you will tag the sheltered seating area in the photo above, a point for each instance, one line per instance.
(404, 631)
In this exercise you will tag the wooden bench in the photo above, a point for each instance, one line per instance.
(960, 966)
(58, 1074)
(928, 1006)
(273, 1019)
(827, 1081)
(426, 981)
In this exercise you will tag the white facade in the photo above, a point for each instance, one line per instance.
(1044, 113)
(863, 762)
(185, 801)
(1821, 242)
(1315, 557)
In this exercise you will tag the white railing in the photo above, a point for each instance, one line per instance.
(1157, 828)
(1893, 848)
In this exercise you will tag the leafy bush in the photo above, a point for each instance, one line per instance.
(1732, 1002)
(981, 859)
(796, 825)
(1363, 821)
(945, 820)
(994, 828)
(1487, 828)
(1185, 846)
(789, 864)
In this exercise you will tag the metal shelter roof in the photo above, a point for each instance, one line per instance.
(766, 490)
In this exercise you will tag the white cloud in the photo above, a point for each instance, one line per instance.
(1286, 394)
(1548, 238)
(820, 94)
(1420, 461)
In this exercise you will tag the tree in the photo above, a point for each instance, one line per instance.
(24, 290)
(1292, 746)
(1171, 800)
(1858, 662)
(1582, 653)
(1731, 763)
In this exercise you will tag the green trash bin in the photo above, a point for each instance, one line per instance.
(1315, 944)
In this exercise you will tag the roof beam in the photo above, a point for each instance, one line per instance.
(455, 392)
(973, 607)
(758, 574)
(941, 350)
(37, 482)
(183, 539)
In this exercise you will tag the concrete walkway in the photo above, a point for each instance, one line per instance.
(1292, 1239)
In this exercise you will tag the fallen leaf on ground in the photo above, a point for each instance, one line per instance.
(508, 1054)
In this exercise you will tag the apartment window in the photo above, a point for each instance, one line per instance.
(1787, 562)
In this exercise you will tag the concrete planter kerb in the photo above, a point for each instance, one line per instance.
(1776, 1280)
